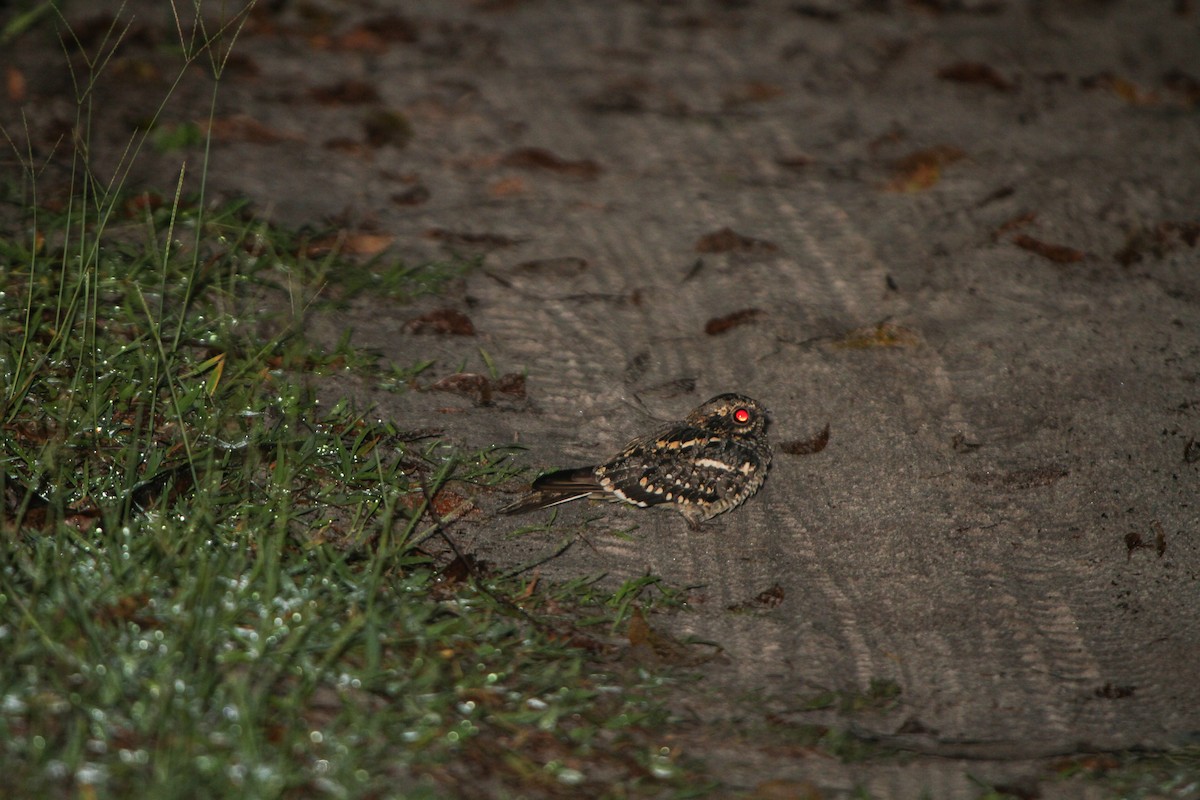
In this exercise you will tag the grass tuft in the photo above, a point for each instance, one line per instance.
(211, 584)
(209, 581)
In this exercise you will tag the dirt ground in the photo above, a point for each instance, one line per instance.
(963, 234)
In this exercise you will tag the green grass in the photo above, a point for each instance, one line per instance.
(210, 585)
(213, 586)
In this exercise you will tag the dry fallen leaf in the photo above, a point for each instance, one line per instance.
(974, 72)
(794, 162)
(470, 384)
(1059, 254)
(446, 321)
(922, 169)
(560, 267)
(510, 383)
(727, 240)
(885, 334)
(508, 187)
(751, 92)
(539, 158)
(770, 597)
(383, 127)
(412, 196)
(1123, 88)
(241, 128)
(460, 238)
(1019, 221)
(805, 447)
(345, 93)
(1184, 85)
(14, 81)
(719, 325)
(372, 36)
(356, 243)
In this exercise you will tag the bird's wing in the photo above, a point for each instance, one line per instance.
(684, 464)
(554, 488)
(658, 468)
(572, 480)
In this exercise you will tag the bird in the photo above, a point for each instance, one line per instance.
(710, 462)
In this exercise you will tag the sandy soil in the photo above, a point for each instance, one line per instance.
(962, 234)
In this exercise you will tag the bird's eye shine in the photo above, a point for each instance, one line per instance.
(741, 416)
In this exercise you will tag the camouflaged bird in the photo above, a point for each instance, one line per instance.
(704, 465)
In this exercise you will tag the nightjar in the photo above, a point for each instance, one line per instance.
(704, 465)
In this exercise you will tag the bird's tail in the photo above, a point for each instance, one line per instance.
(554, 488)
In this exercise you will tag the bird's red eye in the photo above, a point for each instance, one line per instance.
(741, 416)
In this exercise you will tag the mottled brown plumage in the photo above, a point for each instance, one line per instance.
(704, 465)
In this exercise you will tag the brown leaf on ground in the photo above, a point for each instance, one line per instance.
(786, 789)
(542, 159)
(727, 240)
(451, 504)
(1158, 241)
(560, 267)
(444, 321)
(372, 36)
(473, 239)
(1123, 88)
(468, 384)
(885, 334)
(638, 631)
(974, 72)
(1160, 539)
(461, 382)
(750, 92)
(383, 126)
(14, 84)
(1058, 253)
(446, 503)
(511, 383)
(83, 515)
(804, 447)
(1133, 541)
(508, 187)
(796, 162)
(922, 169)
(649, 646)
(354, 243)
(1019, 221)
(1188, 232)
(771, 597)
(139, 205)
(345, 93)
(457, 571)
(129, 608)
(240, 65)
(1184, 85)
(412, 196)
(1112, 691)
(1002, 193)
(719, 325)
(626, 96)
(241, 128)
